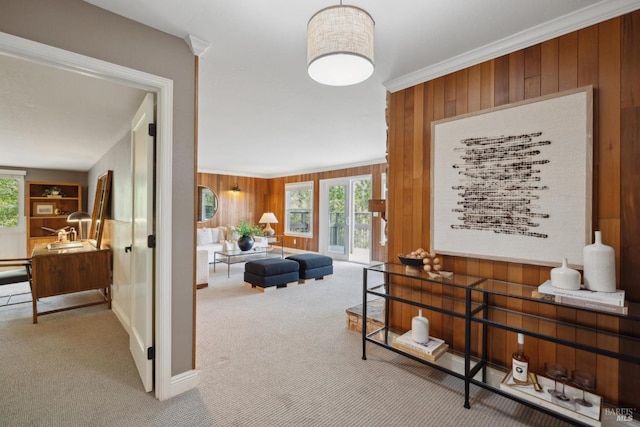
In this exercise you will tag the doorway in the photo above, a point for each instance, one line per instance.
(163, 88)
(345, 220)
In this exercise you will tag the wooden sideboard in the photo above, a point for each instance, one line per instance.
(64, 271)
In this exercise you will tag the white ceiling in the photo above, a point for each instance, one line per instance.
(259, 112)
(54, 119)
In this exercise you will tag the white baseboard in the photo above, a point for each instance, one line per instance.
(122, 316)
(296, 251)
(183, 382)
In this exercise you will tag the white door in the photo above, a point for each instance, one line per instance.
(142, 153)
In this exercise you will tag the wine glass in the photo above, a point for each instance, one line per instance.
(585, 381)
(556, 371)
(561, 396)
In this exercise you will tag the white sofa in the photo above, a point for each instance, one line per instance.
(219, 238)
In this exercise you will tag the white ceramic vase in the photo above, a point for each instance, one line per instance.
(420, 328)
(599, 266)
(564, 277)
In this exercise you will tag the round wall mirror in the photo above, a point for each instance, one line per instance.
(207, 203)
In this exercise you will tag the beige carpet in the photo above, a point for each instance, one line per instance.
(282, 358)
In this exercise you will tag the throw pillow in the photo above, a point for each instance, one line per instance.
(222, 233)
(215, 235)
(204, 236)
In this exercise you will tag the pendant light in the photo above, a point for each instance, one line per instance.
(340, 46)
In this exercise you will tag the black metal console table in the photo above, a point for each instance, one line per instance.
(480, 304)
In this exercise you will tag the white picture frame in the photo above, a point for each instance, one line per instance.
(44, 209)
(514, 183)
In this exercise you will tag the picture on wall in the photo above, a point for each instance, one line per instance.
(514, 183)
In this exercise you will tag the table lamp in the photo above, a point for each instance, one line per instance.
(268, 218)
(83, 219)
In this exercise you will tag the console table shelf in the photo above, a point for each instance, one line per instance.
(483, 309)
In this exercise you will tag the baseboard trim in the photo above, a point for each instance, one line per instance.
(122, 317)
(295, 251)
(183, 382)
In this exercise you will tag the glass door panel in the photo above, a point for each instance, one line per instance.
(360, 236)
(338, 214)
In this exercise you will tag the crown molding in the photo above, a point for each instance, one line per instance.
(598, 12)
(197, 46)
(292, 173)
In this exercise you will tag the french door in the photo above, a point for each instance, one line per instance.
(345, 221)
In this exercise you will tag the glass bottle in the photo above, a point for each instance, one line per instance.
(520, 363)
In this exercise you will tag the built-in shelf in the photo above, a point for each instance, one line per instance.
(51, 211)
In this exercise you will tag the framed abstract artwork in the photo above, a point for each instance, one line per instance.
(514, 183)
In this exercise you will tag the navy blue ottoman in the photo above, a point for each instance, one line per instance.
(313, 266)
(270, 273)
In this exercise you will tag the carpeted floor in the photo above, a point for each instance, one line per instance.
(282, 358)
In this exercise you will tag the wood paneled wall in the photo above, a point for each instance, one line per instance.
(603, 55)
(259, 195)
(630, 194)
(249, 203)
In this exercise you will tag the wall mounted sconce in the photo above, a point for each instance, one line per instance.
(236, 188)
(378, 205)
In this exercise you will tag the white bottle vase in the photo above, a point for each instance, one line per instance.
(565, 277)
(420, 328)
(599, 266)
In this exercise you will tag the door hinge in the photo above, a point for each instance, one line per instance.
(151, 241)
(152, 129)
(151, 353)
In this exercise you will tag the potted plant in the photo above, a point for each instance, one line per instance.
(247, 230)
(52, 191)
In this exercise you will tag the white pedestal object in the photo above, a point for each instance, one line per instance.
(599, 266)
(565, 277)
(420, 328)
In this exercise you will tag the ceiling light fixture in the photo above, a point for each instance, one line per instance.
(340, 46)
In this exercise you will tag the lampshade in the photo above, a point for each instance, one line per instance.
(268, 218)
(340, 46)
(83, 219)
(79, 216)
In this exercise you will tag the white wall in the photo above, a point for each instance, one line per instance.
(118, 160)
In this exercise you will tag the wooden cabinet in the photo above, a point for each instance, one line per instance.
(64, 271)
(50, 210)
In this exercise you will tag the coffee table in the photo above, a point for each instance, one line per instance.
(232, 257)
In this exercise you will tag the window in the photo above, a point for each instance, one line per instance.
(299, 209)
(11, 197)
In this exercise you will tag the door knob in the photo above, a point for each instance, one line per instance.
(128, 248)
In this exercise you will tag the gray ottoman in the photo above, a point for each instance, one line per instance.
(270, 273)
(313, 266)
